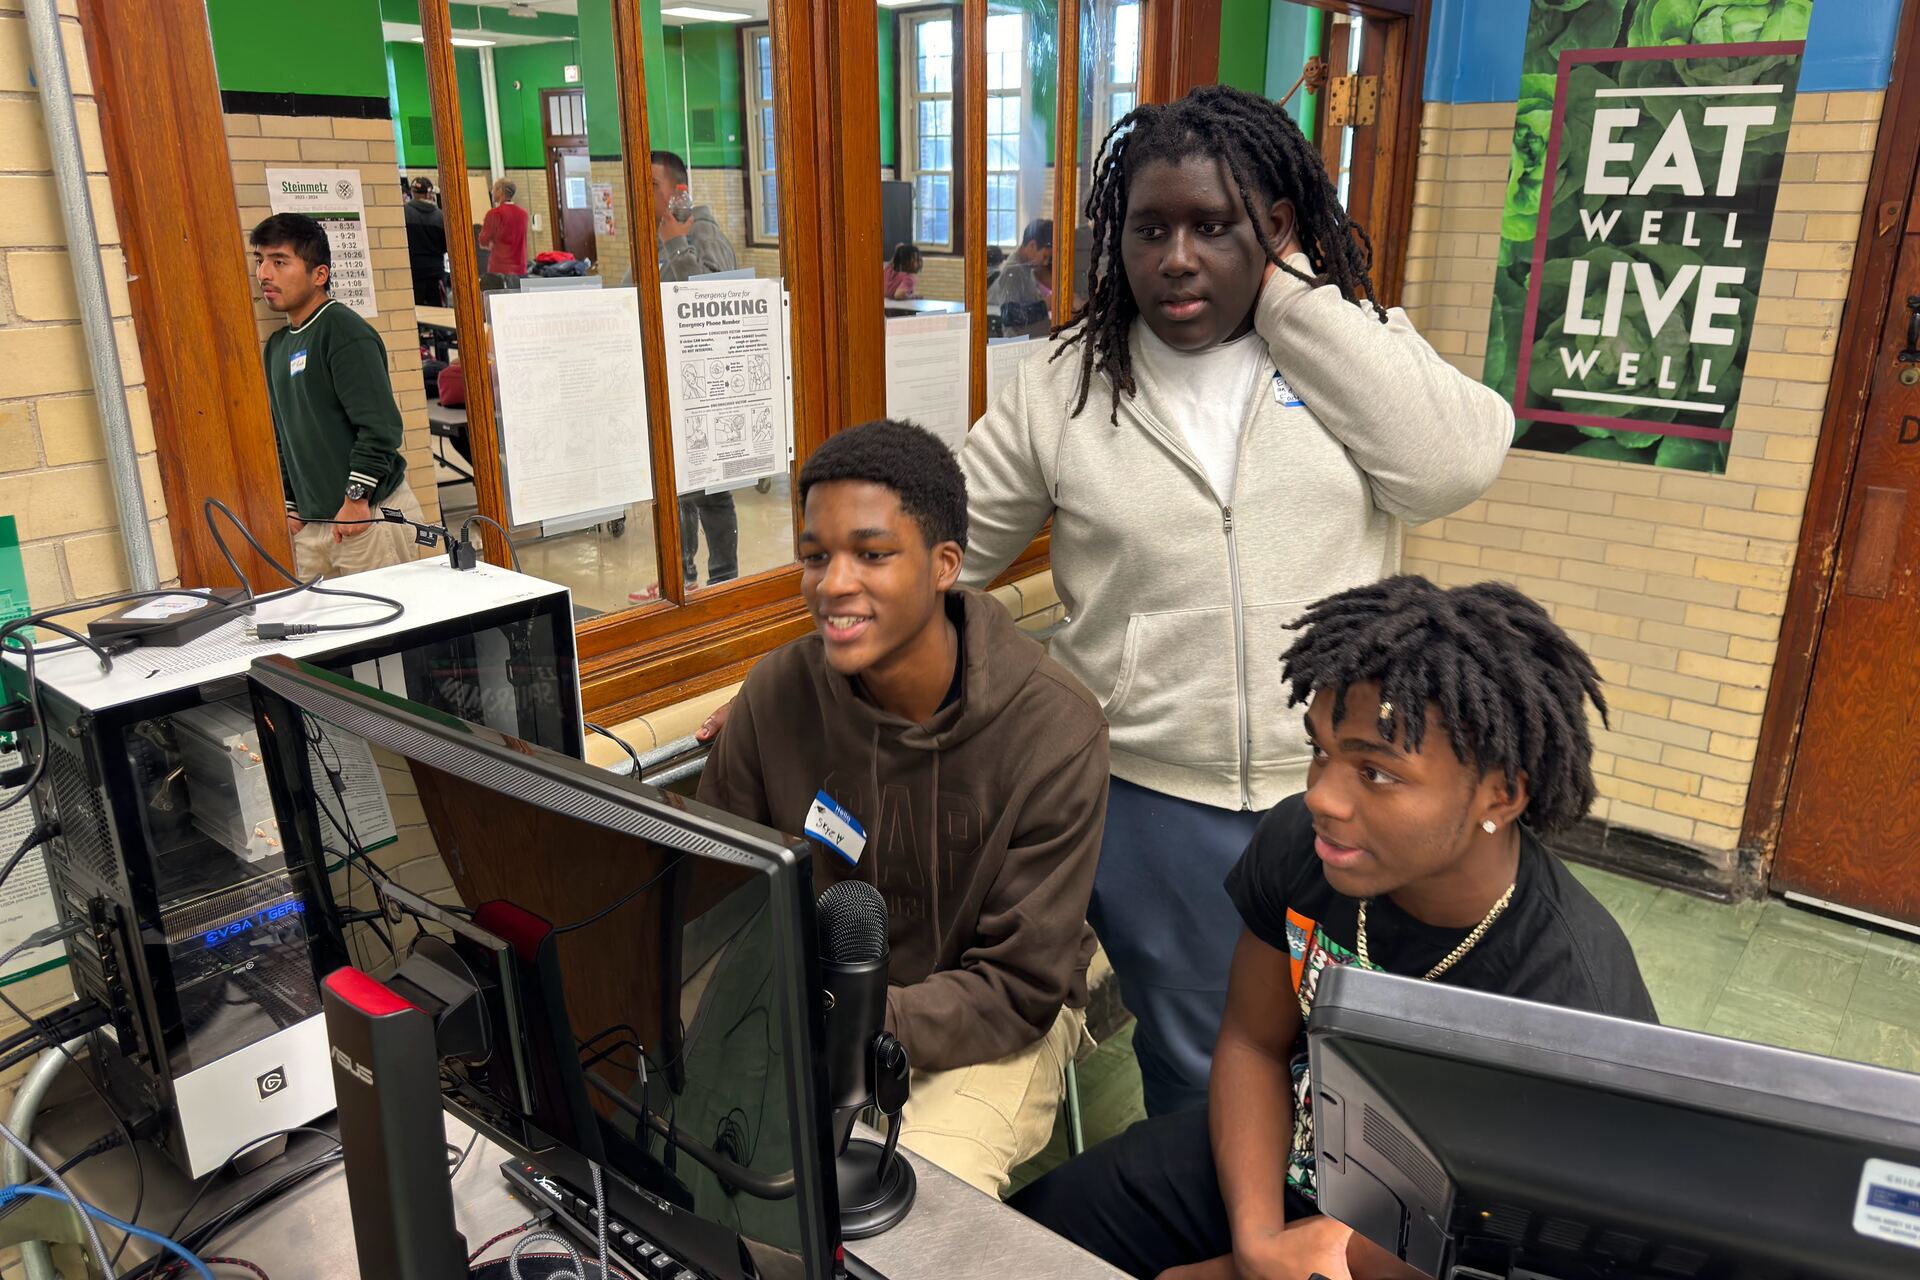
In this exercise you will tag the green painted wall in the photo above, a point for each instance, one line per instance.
(712, 62)
(1243, 44)
(407, 67)
(532, 67)
(337, 49)
(889, 90)
(599, 76)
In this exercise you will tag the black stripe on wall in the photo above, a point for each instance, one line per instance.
(238, 102)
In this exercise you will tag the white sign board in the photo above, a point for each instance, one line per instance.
(929, 367)
(573, 404)
(332, 198)
(726, 380)
(26, 901)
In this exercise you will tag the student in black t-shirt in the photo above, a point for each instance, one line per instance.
(1440, 722)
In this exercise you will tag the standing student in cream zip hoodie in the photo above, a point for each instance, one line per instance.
(1230, 430)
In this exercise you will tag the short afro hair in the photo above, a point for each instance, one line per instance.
(1508, 684)
(911, 461)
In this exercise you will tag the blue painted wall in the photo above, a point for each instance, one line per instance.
(1473, 52)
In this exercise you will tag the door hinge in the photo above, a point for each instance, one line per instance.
(1352, 100)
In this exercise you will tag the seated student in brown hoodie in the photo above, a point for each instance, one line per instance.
(975, 772)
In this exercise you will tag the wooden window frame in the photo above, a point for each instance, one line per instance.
(751, 106)
(153, 64)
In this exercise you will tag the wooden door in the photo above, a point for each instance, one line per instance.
(563, 124)
(1852, 830)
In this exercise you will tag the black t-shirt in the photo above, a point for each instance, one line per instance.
(1554, 944)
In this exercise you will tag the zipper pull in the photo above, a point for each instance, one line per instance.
(1226, 518)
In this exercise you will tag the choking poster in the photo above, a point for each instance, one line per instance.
(1647, 156)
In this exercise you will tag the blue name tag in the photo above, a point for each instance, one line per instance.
(298, 363)
(1283, 394)
(837, 829)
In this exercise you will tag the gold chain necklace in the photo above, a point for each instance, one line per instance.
(1453, 957)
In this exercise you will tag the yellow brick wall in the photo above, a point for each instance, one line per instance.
(258, 143)
(1674, 581)
(53, 477)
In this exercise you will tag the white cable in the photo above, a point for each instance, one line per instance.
(53, 1176)
(600, 1210)
(532, 1238)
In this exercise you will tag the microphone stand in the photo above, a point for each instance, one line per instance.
(877, 1187)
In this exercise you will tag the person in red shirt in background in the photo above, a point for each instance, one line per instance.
(504, 233)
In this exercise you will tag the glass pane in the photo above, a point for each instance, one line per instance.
(1124, 66)
(1004, 41)
(922, 277)
(935, 56)
(1019, 179)
(712, 105)
(770, 203)
(1110, 75)
(588, 521)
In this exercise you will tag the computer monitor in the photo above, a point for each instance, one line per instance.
(650, 966)
(1478, 1136)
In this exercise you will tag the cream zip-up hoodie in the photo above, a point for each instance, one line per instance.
(1178, 597)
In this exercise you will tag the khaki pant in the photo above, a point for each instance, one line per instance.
(980, 1122)
(375, 547)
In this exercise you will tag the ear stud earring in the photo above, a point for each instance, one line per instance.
(1489, 826)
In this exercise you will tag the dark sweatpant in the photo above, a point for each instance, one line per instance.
(1161, 910)
(1146, 1200)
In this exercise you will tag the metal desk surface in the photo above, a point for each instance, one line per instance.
(953, 1233)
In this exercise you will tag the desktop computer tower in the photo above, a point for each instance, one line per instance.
(196, 940)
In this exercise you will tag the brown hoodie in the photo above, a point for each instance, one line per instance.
(984, 839)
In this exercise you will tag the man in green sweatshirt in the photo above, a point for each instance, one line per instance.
(936, 752)
(333, 411)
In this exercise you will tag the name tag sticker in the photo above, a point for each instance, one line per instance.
(298, 363)
(837, 829)
(1283, 394)
(1888, 1207)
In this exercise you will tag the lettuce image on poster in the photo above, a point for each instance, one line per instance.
(1679, 246)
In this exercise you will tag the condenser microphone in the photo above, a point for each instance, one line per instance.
(865, 1066)
(852, 928)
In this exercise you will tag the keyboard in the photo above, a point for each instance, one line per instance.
(574, 1212)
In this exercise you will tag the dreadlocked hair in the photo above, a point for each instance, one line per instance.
(1507, 682)
(1269, 159)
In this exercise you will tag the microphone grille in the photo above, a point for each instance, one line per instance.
(852, 922)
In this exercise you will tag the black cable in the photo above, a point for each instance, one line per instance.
(618, 741)
(41, 833)
(206, 1184)
(512, 555)
(39, 721)
(621, 901)
(203, 1235)
(356, 852)
(461, 1163)
(282, 630)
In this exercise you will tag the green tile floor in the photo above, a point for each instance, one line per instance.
(1761, 971)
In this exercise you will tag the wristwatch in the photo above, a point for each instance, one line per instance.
(357, 492)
